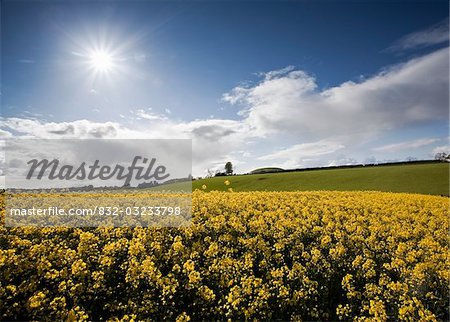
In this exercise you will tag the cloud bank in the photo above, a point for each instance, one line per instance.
(404, 95)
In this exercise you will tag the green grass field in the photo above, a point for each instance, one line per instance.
(415, 178)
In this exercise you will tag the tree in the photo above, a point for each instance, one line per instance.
(229, 168)
(210, 173)
(441, 156)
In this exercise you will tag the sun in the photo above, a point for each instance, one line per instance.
(101, 61)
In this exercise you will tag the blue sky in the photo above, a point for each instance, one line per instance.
(290, 84)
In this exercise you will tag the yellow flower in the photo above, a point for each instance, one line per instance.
(183, 317)
(227, 182)
(36, 300)
(284, 236)
(194, 277)
(189, 265)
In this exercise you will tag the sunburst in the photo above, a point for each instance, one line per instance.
(101, 61)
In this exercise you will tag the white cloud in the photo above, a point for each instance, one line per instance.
(436, 34)
(303, 150)
(75, 129)
(276, 73)
(32, 114)
(442, 148)
(408, 145)
(5, 134)
(405, 95)
(305, 154)
(213, 140)
(148, 115)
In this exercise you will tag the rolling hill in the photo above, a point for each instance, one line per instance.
(431, 178)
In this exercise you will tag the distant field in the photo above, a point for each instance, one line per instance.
(415, 178)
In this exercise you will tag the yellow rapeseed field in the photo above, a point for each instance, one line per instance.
(247, 256)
